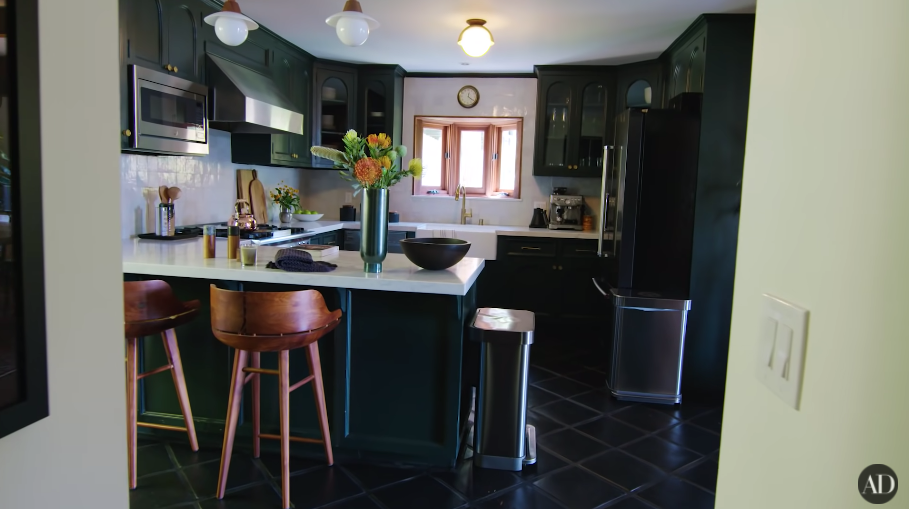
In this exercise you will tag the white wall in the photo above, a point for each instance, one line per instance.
(77, 456)
(209, 185)
(823, 225)
(499, 97)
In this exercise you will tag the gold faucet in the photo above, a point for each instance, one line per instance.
(460, 191)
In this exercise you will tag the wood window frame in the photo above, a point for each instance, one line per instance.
(451, 131)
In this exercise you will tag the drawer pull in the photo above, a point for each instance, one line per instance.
(528, 248)
(585, 251)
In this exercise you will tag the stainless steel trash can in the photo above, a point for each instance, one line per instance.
(502, 438)
(648, 343)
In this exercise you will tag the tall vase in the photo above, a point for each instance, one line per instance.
(374, 229)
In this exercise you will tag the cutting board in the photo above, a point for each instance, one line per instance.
(257, 200)
(244, 177)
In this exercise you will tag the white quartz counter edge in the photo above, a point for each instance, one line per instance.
(183, 258)
(317, 227)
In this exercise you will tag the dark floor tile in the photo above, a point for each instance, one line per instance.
(320, 487)
(703, 474)
(373, 476)
(557, 365)
(272, 462)
(712, 421)
(661, 453)
(186, 457)
(153, 459)
(674, 493)
(361, 502)
(623, 470)
(601, 401)
(578, 489)
(476, 483)
(566, 412)
(645, 418)
(693, 437)
(631, 503)
(542, 423)
(159, 490)
(595, 379)
(537, 397)
(204, 477)
(563, 387)
(571, 445)
(260, 496)
(146, 441)
(539, 374)
(419, 493)
(546, 463)
(525, 497)
(683, 411)
(611, 431)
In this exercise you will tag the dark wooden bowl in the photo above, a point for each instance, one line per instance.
(434, 254)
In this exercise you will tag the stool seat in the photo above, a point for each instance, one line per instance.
(150, 308)
(256, 322)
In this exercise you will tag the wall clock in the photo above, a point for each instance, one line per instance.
(468, 96)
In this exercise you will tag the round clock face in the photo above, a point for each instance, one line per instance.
(468, 96)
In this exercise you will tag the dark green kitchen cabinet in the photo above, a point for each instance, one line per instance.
(687, 62)
(334, 107)
(632, 82)
(164, 35)
(334, 238)
(380, 99)
(575, 108)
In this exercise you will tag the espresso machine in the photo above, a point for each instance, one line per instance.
(565, 211)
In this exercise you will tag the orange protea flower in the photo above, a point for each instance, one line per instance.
(367, 171)
(385, 162)
(384, 140)
(372, 140)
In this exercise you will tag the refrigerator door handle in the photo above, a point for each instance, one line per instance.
(604, 200)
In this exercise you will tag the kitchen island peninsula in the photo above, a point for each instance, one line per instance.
(397, 380)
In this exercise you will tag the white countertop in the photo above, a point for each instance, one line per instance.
(183, 258)
(514, 231)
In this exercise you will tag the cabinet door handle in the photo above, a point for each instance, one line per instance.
(585, 251)
(126, 132)
(554, 267)
(560, 267)
(175, 69)
(169, 67)
(528, 248)
(332, 243)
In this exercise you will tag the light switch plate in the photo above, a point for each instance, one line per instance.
(782, 338)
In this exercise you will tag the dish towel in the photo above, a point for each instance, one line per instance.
(294, 260)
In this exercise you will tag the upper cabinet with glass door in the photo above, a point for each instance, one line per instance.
(572, 127)
(334, 107)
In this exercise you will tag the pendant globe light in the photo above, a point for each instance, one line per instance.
(351, 25)
(476, 39)
(231, 26)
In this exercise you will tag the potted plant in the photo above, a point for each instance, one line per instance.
(288, 199)
(370, 164)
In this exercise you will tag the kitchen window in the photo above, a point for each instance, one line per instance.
(482, 154)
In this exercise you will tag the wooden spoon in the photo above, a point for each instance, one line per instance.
(173, 193)
(162, 193)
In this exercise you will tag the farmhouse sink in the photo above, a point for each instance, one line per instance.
(482, 238)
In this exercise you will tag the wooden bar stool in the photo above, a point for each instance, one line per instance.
(255, 322)
(150, 307)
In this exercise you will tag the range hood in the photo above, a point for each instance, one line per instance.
(245, 101)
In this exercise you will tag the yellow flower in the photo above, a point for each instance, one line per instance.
(383, 140)
(367, 171)
(415, 167)
(351, 135)
(385, 162)
(372, 140)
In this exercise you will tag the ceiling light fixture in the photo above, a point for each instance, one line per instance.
(476, 39)
(231, 26)
(351, 25)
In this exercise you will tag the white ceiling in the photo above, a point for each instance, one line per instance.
(421, 35)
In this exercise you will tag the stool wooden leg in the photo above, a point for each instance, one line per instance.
(318, 391)
(255, 361)
(237, 381)
(132, 373)
(173, 355)
(284, 404)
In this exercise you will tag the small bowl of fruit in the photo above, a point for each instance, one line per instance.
(307, 215)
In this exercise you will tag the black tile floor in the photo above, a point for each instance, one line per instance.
(594, 452)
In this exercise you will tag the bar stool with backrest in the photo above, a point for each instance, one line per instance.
(150, 307)
(256, 322)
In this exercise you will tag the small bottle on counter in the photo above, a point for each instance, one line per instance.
(233, 242)
(208, 241)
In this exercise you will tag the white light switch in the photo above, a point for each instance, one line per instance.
(782, 339)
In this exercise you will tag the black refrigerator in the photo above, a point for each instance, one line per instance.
(647, 222)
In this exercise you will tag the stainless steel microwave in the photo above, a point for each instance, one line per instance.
(167, 114)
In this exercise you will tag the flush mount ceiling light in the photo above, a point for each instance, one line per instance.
(476, 39)
(231, 26)
(351, 25)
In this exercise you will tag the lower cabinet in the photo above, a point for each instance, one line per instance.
(352, 240)
(334, 238)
